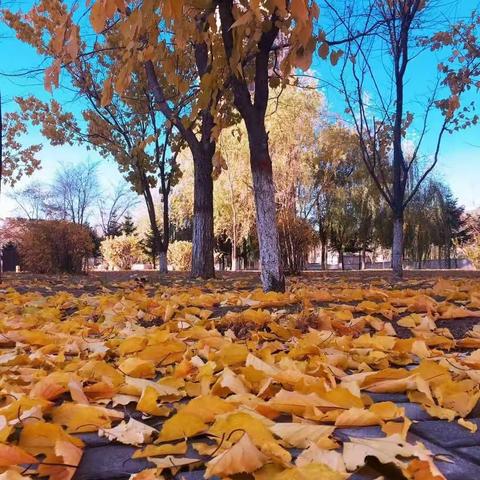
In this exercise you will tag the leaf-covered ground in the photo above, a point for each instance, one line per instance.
(222, 379)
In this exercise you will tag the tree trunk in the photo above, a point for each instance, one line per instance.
(162, 262)
(324, 255)
(341, 257)
(203, 239)
(397, 247)
(234, 236)
(163, 246)
(234, 220)
(234, 254)
(266, 213)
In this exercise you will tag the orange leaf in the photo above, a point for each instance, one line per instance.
(12, 455)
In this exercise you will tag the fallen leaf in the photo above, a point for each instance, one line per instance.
(242, 457)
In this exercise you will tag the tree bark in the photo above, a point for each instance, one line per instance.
(234, 252)
(162, 262)
(266, 212)
(324, 255)
(234, 222)
(203, 238)
(397, 247)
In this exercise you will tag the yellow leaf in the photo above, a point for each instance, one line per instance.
(311, 471)
(294, 402)
(137, 386)
(41, 437)
(233, 353)
(232, 382)
(181, 425)
(60, 466)
(132, 345)
(83, 418)
(138, 368)
(207, 407)
(300, 435)
(148, 403)
(358, 417)
(241, 422)
(163, 354)
(243, 457)
(148, 474)
(165, 449)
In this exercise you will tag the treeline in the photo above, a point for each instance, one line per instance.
(324, 194)
(162, 77)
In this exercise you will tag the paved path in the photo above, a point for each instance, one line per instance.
(103, 460)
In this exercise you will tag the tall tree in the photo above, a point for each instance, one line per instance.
(335, 159)
(74, 192)
(31, 200)
(139, 37)
(381, 119)
(263, 41)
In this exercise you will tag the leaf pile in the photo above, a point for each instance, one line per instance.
(233, 380)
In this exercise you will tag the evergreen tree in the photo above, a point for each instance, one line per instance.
(113, 228)
(149, 246)
(128, 227)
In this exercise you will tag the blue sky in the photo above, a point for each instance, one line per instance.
(15, 56)
(459, 164)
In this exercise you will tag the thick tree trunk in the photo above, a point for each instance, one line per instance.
(203, 239)
(162, 262)
(397, 247)
(266, 213)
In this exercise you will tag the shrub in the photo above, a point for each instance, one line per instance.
(180, 255)
(122, 252)
(53, 246)
(297, 237)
